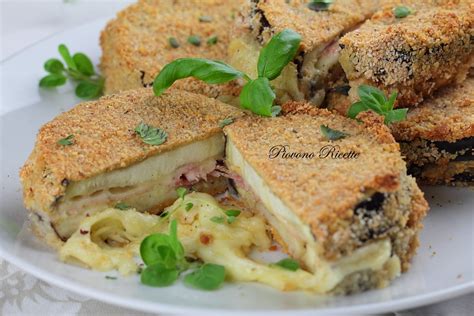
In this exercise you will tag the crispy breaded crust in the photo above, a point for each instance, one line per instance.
(448, 116)
(415, 55)
(378, 168)
(316, 27)
(104, 138)
(135, 44)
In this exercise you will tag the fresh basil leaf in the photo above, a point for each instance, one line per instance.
(175, 243)
(225, 122)
(88, 90)
(188, 206)
(83, 64)
(332, 134)
(151, 135)
(67, 141)
(208, 277)
(391, 102)
(288, 264)
(157, 248)
(181, 191)
(64, 52)
(401, 12)
(356, 108)
(218, 219)
(279, 51)
(395, 116)
(122, 206)
(257, 95)
(209, 71)
(158, 275)
(54, 66)
(372, 97)
(234, 213)
(52, 80)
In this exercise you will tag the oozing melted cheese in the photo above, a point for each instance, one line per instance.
(111, 239)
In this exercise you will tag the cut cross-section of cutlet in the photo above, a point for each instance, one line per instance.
(415, 55)
(320, 26)
(346, 209)
(437, 138)
(105, 161)
(149, 34)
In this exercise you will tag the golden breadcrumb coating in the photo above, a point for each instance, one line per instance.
(316, 27)
(448, 116)
(104, 138)
(135, 45)
(416, 55)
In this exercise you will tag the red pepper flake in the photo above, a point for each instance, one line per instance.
(205, 239)
(273, 248)
(83, 231)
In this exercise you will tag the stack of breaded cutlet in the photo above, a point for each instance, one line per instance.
(427, 57)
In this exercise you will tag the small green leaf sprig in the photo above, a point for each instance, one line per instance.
(151, 135)
(319, 5)
(373, 99)
(257, 94)
(78, 68)
(164, 258)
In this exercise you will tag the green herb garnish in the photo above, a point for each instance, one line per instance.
(218, 219)
(225, 122)
(208, 277)
(212, 40)
(108, 277)
(122, 206)
(375, 100)
(205, 18)
(332, 134)
(78, 68)
(194, 40)
(173, 42)
(165, 261)
(401, 12)
(188, 206)
(257, 95)
(288, 264)
(320, 5)
(151, 135)
(67, 141)
(181, 191)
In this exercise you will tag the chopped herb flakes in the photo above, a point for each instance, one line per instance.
(212, 40)
(194, 40)
(67, 141)
(173, 42)
(332, 134)
(225, 122)
(401, 12)
(151, 135)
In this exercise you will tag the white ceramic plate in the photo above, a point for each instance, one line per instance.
(442, 269)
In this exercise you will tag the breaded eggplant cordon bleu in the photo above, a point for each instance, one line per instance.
(132, 148)
(415, 50)
(309, 75)
(335, 193)
(149, 34)
(437, 138)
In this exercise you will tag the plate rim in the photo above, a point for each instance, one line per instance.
(140, 305)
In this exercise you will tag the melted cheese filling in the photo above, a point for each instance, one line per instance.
(143, 185)
(111, 240)
(297, 235)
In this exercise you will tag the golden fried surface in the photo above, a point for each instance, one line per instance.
(448, 116)
(415, 55)
(104, 137)
(320, 187)
(135, 44)
(316, 27)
